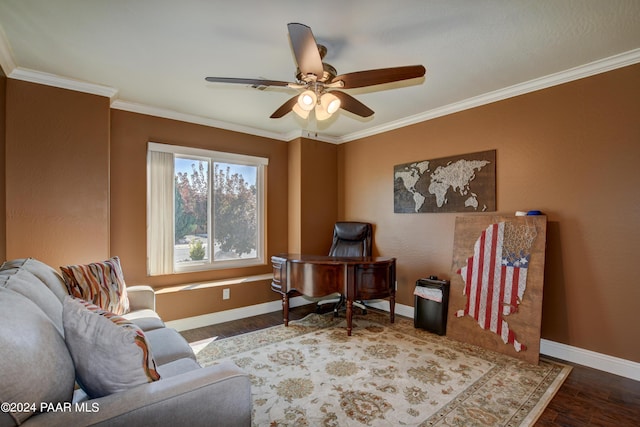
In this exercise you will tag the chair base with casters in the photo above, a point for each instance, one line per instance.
(351, 239)
(340, 304)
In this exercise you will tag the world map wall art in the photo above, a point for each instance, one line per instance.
(465, 183)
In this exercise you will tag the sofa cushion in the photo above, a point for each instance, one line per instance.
(101, 283)
(47, 275)
(178, 367)
(28, 285)
(110, 353)
(168, 345)
(146, 319)
(34, 361)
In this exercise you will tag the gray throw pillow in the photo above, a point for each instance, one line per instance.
(110, 353)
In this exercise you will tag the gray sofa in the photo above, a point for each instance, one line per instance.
(37, 374)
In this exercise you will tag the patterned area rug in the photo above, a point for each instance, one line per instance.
(312, 374)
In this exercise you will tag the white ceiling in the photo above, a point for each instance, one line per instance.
(152, 56)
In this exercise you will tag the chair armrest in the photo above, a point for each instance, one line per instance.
(216, 395)
(141, 297)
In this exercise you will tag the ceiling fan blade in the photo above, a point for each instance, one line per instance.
(380, 76)
(252, 82)
(284, 108)
(305, 50)
(349, 103)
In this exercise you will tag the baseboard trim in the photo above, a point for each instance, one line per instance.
(602, 362)
(233, 314)
(592, 359)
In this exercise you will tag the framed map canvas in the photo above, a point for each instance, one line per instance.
(465, 183)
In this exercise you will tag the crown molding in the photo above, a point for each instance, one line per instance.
(205, 121)
(597, 67)
(320, 137)
(33, 76)
(6, 58)
(12, 71)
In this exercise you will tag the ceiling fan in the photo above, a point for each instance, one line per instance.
(318, 81)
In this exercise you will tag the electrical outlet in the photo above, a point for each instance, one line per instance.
(226, 293)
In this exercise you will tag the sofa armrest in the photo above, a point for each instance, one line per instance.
(216, 395)
(141, 297)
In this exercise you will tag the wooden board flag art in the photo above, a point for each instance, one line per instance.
(496, 284)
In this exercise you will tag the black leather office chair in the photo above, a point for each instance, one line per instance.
(350, 239)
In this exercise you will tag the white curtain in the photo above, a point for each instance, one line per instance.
(160, 234)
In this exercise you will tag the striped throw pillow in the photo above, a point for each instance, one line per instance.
(101, 283)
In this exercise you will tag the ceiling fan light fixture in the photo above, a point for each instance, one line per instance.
(328, 105)
(307, 100)
(330, 102)
(299, 111)
(316, 78)
(321, 113)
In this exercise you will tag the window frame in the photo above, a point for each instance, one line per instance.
(213, 156)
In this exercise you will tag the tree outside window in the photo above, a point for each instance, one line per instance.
(233, 211)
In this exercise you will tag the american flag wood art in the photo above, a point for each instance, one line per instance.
(496, 283)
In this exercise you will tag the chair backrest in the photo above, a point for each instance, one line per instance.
(351, 239)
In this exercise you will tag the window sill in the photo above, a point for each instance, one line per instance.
(218, 265)
(215, 283)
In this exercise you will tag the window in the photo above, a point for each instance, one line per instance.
(205, 209)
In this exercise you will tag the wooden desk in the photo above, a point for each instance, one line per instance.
(356, 278)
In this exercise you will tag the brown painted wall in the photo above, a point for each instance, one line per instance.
(57, 174)
(295, 196)
(318, 196)
(571, 151)
(130, 133)
(197, 302)
(313, 201)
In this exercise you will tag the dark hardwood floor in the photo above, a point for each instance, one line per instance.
(588, 397)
